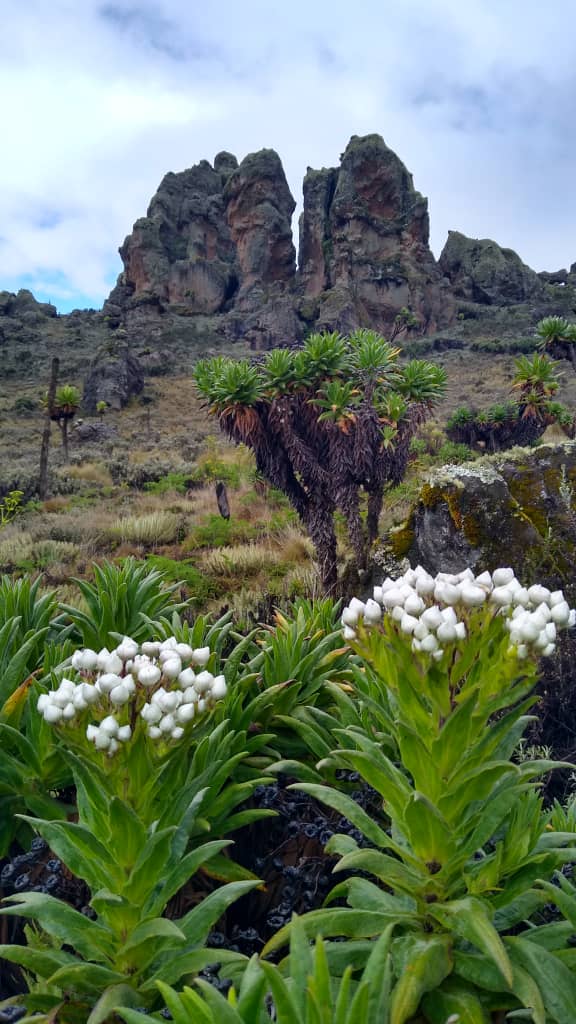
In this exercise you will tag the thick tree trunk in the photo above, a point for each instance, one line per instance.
(348, 502)
(43, 476)
(320, 526)
(375, 500)
(63, 424)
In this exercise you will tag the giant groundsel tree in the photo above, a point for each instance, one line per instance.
(326, 422)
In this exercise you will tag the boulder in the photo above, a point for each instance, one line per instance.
(516, 508)
(114, 377)
(481, 271)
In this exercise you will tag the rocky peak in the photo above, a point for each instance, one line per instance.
(364, 242)
(481, 271)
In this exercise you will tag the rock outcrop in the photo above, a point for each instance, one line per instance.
(217, 242)
(364, 252)
(479, 270)
(115, 376)
(215, 239)
(509, 509)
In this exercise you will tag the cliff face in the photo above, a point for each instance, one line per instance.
(364, 250)
(217, 242)
(213, 261)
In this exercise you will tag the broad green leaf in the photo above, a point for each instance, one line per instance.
(471, 919)
(555, 981)
(89, 938)
(454, 1001)
(421, 962)
(428, 831)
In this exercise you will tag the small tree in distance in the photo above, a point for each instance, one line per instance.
(558, 338)
(66, 405)
(326, 422)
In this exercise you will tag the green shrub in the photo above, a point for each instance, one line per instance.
(215, 532)
(178, 482)
(199, 588)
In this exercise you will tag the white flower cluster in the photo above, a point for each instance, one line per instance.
(157, 680)
(433, 609)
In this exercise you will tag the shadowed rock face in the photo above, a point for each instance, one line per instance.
(479, 270)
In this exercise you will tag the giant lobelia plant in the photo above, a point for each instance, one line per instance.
(466, 860)
(325, 423)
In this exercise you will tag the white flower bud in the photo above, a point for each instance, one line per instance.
(421, 630)
(172, 667)
(201, 655)
(550, 631)
(556, 597)
(522, 651)
(112, 746)
(186, 678)
(429, 643)
(378, 595)
(548, 650)
(393, 598)
(501, 577)
(572, 617)
(373, 612)
(529, 630)
(91, 732)
(149, 675)
(151, 648)
(473, 596)
(460, 631)
(544, 611)
(102, 740)
(127, 649)
(437, 655)
(102, 657)
(432, 617)
(168, 702)
(408, 623)
(203, 682)
(201, 706)
(79, 703)
(184, 651)
(397, 613)
(560, 613)
(120, 694)
(501, 596)
(219, 688)
(68, 712)
(124, 733)
(538, 595)
(185, 713)
(177, 733)
(151, 713)
(113, 664)
(189, 695)
(413, 605)
(108, 681)
(446, 633)
(349, 633)
(109, 725)
(43, 702)
(90, 693)
(484, 580)
(447, 593)
(449, 615)
(521, 597)
(349, 618)
(76, 660)
(167, 645)
(154, 732)
(167, 723)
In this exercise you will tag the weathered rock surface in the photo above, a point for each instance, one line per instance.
(479, 270)
(510, 509)
(214, 239)
(114, 377)
(364, 249)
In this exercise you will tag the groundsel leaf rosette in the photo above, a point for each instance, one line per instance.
(164, 683)
(436, 610)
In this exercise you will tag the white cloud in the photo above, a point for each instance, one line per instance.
(105, 97)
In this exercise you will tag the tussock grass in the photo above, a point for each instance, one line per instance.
(239, 560)
(150, 530)
(93, 472)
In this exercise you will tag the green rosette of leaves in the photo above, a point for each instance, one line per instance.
(462, 859)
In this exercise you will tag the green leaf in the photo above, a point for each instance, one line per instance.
(89, 938)
(79, 849)
(86, 978)
(555, 981)
(349, 809)
(43, 963)
(355, 924)
(421, 962)
(112, 998)
(428, 831)
(159, 928)
(454, 1001)
(471, 919)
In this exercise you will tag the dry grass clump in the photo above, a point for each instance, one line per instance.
(239, 560)
(293, 545)
(15, 546)
(149, 530)
(19, 549)
(92, 472)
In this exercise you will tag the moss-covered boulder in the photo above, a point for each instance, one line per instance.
(517, 508)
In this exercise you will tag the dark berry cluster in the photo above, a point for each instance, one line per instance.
(38, 871)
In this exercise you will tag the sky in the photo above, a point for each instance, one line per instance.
(101, 99)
